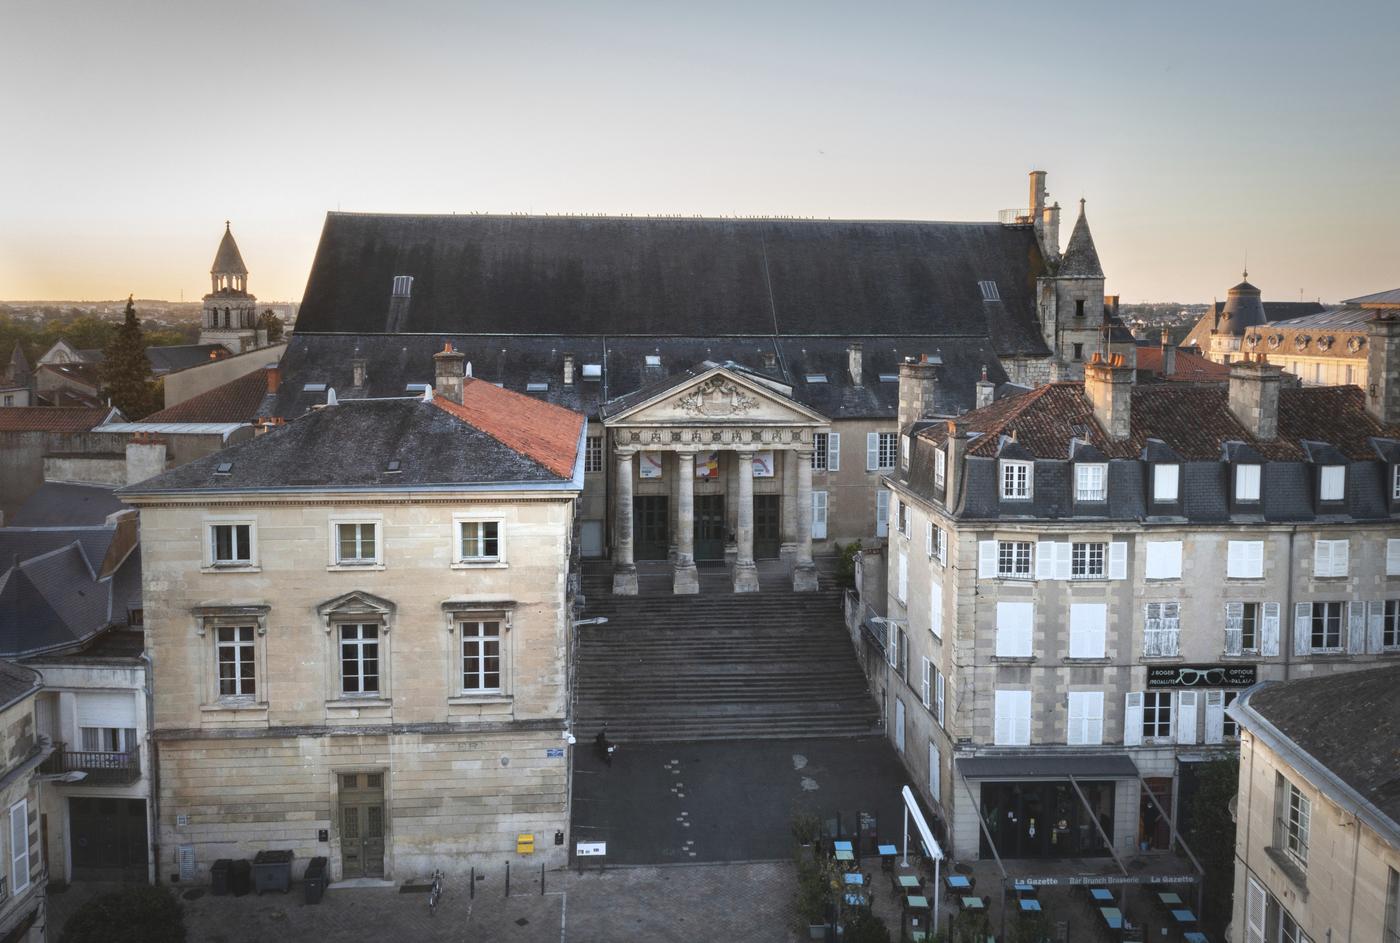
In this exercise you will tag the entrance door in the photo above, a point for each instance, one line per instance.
(650, 533)
(709, 527)
(362, 825)
(108, 839)
(766, 514)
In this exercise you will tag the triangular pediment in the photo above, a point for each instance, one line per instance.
(712, 396)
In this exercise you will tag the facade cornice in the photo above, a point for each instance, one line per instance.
(295, 499)
(543, 725)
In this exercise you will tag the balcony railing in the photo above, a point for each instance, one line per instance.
(1013, 217)
(102, 769)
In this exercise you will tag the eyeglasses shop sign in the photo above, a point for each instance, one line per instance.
(1202, 676)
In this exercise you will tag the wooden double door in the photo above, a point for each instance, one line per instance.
(651, 526)
(108, 839)
(362, 825)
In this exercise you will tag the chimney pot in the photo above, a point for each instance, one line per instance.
(1108, 385)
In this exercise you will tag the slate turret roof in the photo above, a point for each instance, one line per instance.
(228, 260)
(1081, 259)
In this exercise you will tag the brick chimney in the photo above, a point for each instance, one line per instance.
(1254, 386)
(853, 357)
(918, 388)
(568, 369)
(274, 377)
(145, 457)
(449, 364)
(986, 390)
(1168, 354)
(1108, 384)
(956, 449)
(1383, 368)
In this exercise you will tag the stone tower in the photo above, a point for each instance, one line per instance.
(1071, 305)
(230, 312)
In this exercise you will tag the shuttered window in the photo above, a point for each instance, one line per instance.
(1013, 719)
(882, 513)
(1088, 561)
(1157, 715)
(1246, 483)
(1165, 483)
(1392, 556)
(940, 684)
(935, 772)
(1186, 703)
(1163, 560)
(1014, 559)
(19, 846)
(820, 451)
(879, 450)
(902, 584)
(1242, 628)
(1245, 560)
(926, 682)
(819, 515)
(1325, 627)
(940, 469)
(1332, 483)
(1331, 558)
(1088, 624)
(1085, 718)
(1014, 629)
(1161, 637)
(1256, 905)
(935, 614)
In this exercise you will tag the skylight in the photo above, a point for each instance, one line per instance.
(816, 378)
(416, 387)
(393, 467)
(989, 291)
(653, 360)
(224, 468)
(889, 378)
(314, 388)
(592, 371)
(536, 387)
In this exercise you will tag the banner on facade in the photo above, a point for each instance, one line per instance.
(650, 466)
(1202, 676)
(706, 464)
(763, 464)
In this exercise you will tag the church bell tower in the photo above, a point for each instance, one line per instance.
(230, 312)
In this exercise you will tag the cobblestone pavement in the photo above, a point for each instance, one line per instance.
(733, 902)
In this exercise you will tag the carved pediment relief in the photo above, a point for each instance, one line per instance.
(717, 397)
(357, 604)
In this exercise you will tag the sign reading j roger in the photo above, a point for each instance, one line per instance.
(1202, 676)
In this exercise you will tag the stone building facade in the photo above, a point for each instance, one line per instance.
(1083, 577)
(1317, 835)
(365, 656)
(23, 904)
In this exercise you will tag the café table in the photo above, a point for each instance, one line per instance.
(1168, 898)
(1183, 916)
(854, 877)
(957, 882)
(916, 902)
(845, 854)
(972, 903)
(1023, 889)
(1112, 916)
(842, 846)
(908, 882)
(1029, 905)
(1196, 936)
(888, 854)
(1101, 894)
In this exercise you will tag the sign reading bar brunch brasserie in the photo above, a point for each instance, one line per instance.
(1202, 676)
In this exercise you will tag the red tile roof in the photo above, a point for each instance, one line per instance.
(236, 401)
(51, 418)
(1191, 367)
(547, 433)
(1194, 421)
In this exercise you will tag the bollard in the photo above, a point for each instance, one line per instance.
(541, 878)
(507, 878)
(473, 891)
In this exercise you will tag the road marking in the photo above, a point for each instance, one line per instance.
(563, 915)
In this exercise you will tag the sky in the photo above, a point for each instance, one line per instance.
(1200, 133)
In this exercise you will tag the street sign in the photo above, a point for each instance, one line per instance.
(591, 849)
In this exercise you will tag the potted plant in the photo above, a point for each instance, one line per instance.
(806, 827)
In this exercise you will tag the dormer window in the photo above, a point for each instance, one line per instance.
(1332, 483)
(989, 291)
(940, 469)
(1166, 483)
(592, 371)
(816, 378)
(1247, 483)
(1091, 482)
(904, 452)
(1015, 481)
(1395, 482)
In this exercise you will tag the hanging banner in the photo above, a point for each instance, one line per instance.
(706, 464)
(650, 465)
(763, 464)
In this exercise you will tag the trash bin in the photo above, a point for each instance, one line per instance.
(313, 883)
(218, 876)
(272, 871)
(240, 879)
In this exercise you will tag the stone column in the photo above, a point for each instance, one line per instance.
(804, 571)
(684, 579)
(788, 548)
(745, 573)
(624, 569)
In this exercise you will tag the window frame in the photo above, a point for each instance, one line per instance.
(1321, 612)
(1331, 478)
(1295, 823)
(1014, 553)
(1090, 495)
(1018, 698)
(1249, 474)
(18, 851)
(594, 461)
(1390, 625)
(1017, 480)
(461, 638)
(1084, 736)
(940, 469)
(1080, 561)
(1168, 626)
(1159, 469)
(376, 561)
(459, 561)
(821, 451)
(360, 644)
(1243, 572)
(1152, 731)
(242, 638)
(212, 562)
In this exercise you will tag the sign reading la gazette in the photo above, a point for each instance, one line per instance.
(1202, 676)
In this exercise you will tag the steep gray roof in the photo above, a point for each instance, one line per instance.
(181, 356)
(534, 275)
(59, 504)
(16, 681)
(51, 593)
(1380, 298)
(228, 260)
(1081, 259)
(1243, 309)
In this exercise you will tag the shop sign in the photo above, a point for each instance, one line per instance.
(1202, 676)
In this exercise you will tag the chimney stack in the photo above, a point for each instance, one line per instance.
(1168, 353)
(358, 368)
(918, 388)
(1109, 386)
(853, 357)
(986, 390)
(568, 369)
(956, 449)
(1037, 194)
(1383, 368)
(1049, 220)
(274, 377)
(1254, 386)
(449, 364)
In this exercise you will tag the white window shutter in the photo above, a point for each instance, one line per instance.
(1064, 557)
(1002, 731)
(1268, 637)
(928, 537)
(1341, 553)
(935, 615)
(1093, 717)
(1256, 905)
(1356, 628)
(833, 451)
(1074, 734)
(1045, 560)
(925, 682)
(1163, 560)
(902, 587)
(1302, 628)
(986, 559)
(1014, 622)
(1118, 560)
(942, 547)
(1022, 717)
(819, 515)
(892, 644)
(1215, 717)
(1234, 628)
(935, 769)
(1132, 720)
(939, 683)
(1392, 555)
(1186, 716)
(872, 451)
(1376, 622)
(1233, 558)
(1087, 629)
(882, 513)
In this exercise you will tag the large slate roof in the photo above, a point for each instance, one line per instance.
(1348, 723)
(432, 442)
(16, 681)
(60, 504)
(549, 275)
(183, 356)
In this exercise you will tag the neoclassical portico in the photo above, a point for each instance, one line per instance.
(709, 424)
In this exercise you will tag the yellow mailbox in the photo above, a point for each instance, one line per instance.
(524, 844)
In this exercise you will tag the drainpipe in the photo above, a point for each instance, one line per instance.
(153, 758)
(1286, 617)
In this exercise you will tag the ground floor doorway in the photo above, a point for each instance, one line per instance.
(767, 526)
(650, 527)
(1154, 831)
(361, 825)
(108, 839)
(709, 527)
(1046, 819)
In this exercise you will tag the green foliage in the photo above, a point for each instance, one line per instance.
(1031, 928)
(971, 926)
(815, 878)
(846, 566)
(1212, 835)
(126, 373)
(862, 926)
(138, 913)
(270, 322)
(805, 827)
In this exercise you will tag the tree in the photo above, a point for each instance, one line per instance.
(126, 373)
(137, 913)
(1213, 833)
(271, 323)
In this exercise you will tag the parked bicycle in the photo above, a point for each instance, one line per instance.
(435, 894)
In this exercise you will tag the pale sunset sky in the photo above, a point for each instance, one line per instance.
(1198, 131)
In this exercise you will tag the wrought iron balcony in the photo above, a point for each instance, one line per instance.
(102, 769)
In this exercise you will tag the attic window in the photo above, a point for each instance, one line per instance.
(313, 388)
(989, 291)
(816, 378)
(536, 387)
(653, 360)
(889, 378)
(592, 371)
(416, 387)
(224, 468)
(393, 467)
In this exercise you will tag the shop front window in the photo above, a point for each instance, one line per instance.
(1046, 819)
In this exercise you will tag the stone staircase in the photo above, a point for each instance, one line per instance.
(719, 665)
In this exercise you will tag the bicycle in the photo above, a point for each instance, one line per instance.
(435, 894)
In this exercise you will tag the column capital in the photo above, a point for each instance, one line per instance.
(804, 451)
(624, 452)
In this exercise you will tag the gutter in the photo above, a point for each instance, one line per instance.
(1318, 775)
